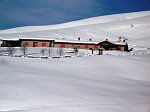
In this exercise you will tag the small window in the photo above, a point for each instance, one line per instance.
(86, 46)
(95, 46)
(43, 44)
(121, 48)
(50, 44)
(35, 44)
(62, 45)
(26, 44)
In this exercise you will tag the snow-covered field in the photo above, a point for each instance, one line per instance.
(113, 82)
(108, 83)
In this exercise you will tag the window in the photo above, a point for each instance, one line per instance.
(86, 46)
(26, 44)
(95, 46)
(121, 48)
(72, 44)
(43, 44)
(50, 44)
(35, 44)
(62, 45)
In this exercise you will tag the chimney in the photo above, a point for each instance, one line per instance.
(79, 39)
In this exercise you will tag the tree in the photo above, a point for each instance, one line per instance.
(60, 51)
(11, 50)
(43, 51)
(126, 47)
(50, 51)
(24, 50)
(75, 50)
(132, 25)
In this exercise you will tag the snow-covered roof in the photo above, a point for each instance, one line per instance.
(13, 39)
(77, 42)
(22, 38)
(31, 38)
(120, 43)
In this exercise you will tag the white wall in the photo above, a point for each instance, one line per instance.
(1, 42)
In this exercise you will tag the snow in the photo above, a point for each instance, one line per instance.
(105, 83)
(113, 82)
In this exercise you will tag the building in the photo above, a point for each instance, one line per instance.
(38, 42)
(116, 45)
(10, 43)
(79, 44)
(58, 43)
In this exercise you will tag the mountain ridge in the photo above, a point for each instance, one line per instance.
(88, 21)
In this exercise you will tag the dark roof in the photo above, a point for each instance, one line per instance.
(112, 42)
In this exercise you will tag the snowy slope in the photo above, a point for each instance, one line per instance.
(87, 84)
(94, 20)
(97, 28)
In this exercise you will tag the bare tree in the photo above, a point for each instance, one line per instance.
(50, 51)
(24, 50)
(76, 50)
(11, 50)
(43, 51)
(60, 51)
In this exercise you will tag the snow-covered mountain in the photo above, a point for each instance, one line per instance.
(134, 26)
(90, 21)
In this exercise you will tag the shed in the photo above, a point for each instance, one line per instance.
(113, 45)
(107, 45)
(10, 43)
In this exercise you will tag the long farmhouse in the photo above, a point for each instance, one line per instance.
(37, 42)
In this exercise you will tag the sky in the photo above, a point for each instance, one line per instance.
(16, 13)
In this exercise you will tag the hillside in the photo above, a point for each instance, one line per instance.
(97, 28)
